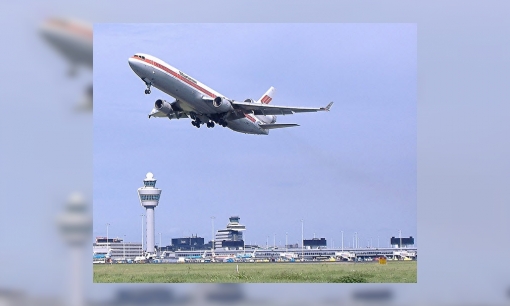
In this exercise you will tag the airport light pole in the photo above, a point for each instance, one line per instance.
(302, 240)
(107, 246)
(355, 240)
(159, 248)
(212, 233)
(124, 247)
(400, 236)
(286, 243)
(342, 241)
(274, 241)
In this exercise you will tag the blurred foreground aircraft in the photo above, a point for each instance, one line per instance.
(72, 39)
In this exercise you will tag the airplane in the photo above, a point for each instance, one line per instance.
(73, 39)
(101, 257)
(195, 257)
(204, 105)
(222, 258)
(246, 256)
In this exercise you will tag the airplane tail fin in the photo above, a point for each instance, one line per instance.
(267, 97)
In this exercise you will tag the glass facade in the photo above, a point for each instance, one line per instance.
(149, 197)
(149, 183)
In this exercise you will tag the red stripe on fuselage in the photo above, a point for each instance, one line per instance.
(250, 118)
(178, 76)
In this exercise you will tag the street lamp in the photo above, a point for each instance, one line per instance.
(342, 241)
(159, 243)
(107, 246)
(286, 244)
(212, 233)
(302, 240)
(124, 247)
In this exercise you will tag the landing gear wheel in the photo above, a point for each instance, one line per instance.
(148, 90)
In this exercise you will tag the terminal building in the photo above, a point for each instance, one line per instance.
(230, 238)
(402, 242)
(193, 243)
(315, 243)
(119, 249)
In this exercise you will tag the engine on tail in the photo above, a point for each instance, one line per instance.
(222, 105)
(269, 119)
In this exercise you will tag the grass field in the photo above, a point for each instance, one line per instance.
(327, 272)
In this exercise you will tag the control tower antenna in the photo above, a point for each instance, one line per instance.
(149, 198)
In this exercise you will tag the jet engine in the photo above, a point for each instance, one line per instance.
(267, 119)
(222, 105)
(163, 106)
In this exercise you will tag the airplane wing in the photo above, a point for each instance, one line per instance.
(172, 115)
(266, 109)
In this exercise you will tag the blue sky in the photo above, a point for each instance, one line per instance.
(352, 169)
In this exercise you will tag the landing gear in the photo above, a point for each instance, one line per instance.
(222, 122)
(148, 90)
(210, 124)
(196, 123)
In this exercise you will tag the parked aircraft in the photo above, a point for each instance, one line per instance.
(223, 258)
(206, 106)
(246, 255)
(196, 257)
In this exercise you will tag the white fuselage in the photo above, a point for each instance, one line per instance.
(70, 37)
(191, 95)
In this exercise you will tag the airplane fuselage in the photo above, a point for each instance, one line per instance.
(192, 97)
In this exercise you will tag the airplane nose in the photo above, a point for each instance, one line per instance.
(136, 65)
(131, 62)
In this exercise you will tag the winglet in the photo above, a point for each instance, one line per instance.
(327, 107)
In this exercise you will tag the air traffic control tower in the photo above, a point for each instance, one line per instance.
(149, 198)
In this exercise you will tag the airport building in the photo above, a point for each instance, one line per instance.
(315, 243)
(230, 238)
(119, 248)
(402, 242)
